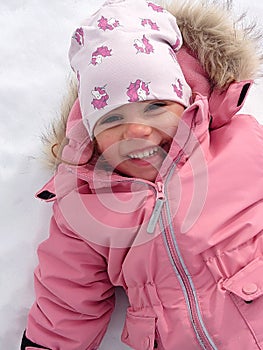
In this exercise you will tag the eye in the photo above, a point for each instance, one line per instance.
(155, 106)
(111, 119)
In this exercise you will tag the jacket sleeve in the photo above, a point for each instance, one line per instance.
(74, 296)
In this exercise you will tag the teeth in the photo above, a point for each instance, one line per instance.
(145, 154)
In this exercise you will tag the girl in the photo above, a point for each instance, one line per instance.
(160, 187)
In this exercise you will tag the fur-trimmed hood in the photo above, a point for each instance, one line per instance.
(218, 50)
(227, 49)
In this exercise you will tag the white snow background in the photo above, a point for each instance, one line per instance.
(34, 71)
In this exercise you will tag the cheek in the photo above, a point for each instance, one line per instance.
(176, 109)
(108, 148)
(102, 145)
(104, 141)
(107, 139)
(168, 130)
(168, 124)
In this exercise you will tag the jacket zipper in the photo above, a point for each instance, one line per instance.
(160, 200)
(189, 294)
(204, 339)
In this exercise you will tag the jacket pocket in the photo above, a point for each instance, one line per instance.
(139, 331)
(248, 282)
(246, 290)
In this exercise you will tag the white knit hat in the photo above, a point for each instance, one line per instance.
(126, 52)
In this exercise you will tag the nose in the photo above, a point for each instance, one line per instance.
(134, 130)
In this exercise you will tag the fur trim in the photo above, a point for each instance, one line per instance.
(54, 139)
(228, 50)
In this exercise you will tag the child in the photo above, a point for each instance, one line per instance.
(159, 189)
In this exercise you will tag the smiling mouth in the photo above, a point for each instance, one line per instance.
(143, 154)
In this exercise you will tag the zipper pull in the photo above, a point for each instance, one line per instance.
(160, 199)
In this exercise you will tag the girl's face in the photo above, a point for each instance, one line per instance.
(136, 137)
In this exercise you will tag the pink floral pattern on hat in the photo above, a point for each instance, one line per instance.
(99, 54)
(110, 24)
(148, 23)
(155, 7)
(79, 36)
(138, 91)
(143, 45)
(174, 48)
(178, 88)
(100, 97)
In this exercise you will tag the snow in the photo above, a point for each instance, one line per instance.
(34, 72)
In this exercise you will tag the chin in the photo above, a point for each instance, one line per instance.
(149, 174)
(144, 176)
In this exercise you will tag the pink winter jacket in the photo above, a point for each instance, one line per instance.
(187, 249)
